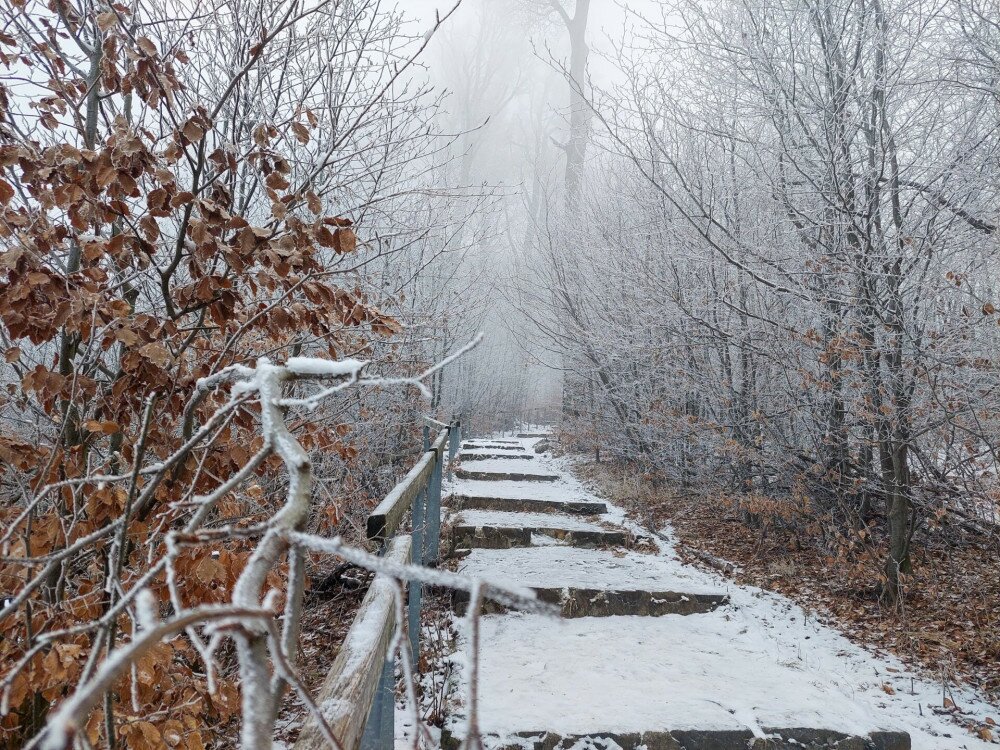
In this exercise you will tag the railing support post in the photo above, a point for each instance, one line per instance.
(415, 589)
(419, 523)
(454, 443)
(380, 730)
(434, 509)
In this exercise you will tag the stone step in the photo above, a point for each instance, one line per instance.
(533, 434)
(500, 476)
(594, 582)
(705, 682)
(792, 738)
(525, 505)
(505, 537)
(490, 456)
(494, 447)
(583, 602)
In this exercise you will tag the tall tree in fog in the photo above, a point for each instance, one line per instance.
(576, 144)
(573, 16)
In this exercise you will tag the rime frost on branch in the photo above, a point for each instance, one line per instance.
(265, 644)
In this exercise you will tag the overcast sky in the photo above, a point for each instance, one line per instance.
(607, 19)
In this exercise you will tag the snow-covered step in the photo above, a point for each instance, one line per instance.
(525, 504)
(499, 475)
(510, 489)
(593, 583)
(464, 456)
(527, 464)
(668, 683)
(504, 446)
(507, 450)
(502, 530)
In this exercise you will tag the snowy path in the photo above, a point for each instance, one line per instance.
(721, 677)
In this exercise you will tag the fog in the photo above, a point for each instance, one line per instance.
(279, 278)
(502, 66)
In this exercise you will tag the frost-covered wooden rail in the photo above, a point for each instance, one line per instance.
(356, 677)
(357, 698)
(264, 630)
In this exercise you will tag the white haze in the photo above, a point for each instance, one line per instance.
(498, 63)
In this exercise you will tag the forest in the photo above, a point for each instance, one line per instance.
(739, 256)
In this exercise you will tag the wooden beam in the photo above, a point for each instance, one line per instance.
(347, 694)
(440, 443)
(386, 518)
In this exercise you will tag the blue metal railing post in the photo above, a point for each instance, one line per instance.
(413, 605)
(388, 717)
(380, 729)
(434, 509)
(454, 443)
(419, 523)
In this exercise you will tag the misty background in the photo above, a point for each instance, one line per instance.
(501, 69)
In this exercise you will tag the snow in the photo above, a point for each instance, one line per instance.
(559, 566)
(506, 519)
(505, 466)
(628, 660)
(760, 661)
(315, 367)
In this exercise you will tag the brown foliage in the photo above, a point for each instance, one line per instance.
(128, 268)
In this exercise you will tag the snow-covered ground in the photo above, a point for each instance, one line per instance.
(759, 662)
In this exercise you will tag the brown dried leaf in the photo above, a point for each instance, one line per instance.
(301, 132)
(344, 240)
(106, 20)
(314, 203)
(193, 130)
(6, 192)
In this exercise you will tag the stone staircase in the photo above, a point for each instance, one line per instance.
(636, 660)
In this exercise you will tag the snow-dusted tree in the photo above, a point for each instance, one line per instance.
(798, 290)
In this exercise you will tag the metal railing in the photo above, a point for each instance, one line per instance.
(361, 683)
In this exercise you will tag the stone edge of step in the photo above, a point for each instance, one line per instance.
(504, 476)
(799, 738)
(507, 537)
(525, 505)
(576, 601)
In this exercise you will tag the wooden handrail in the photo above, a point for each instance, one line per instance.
(347, 694)
(386, 518)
